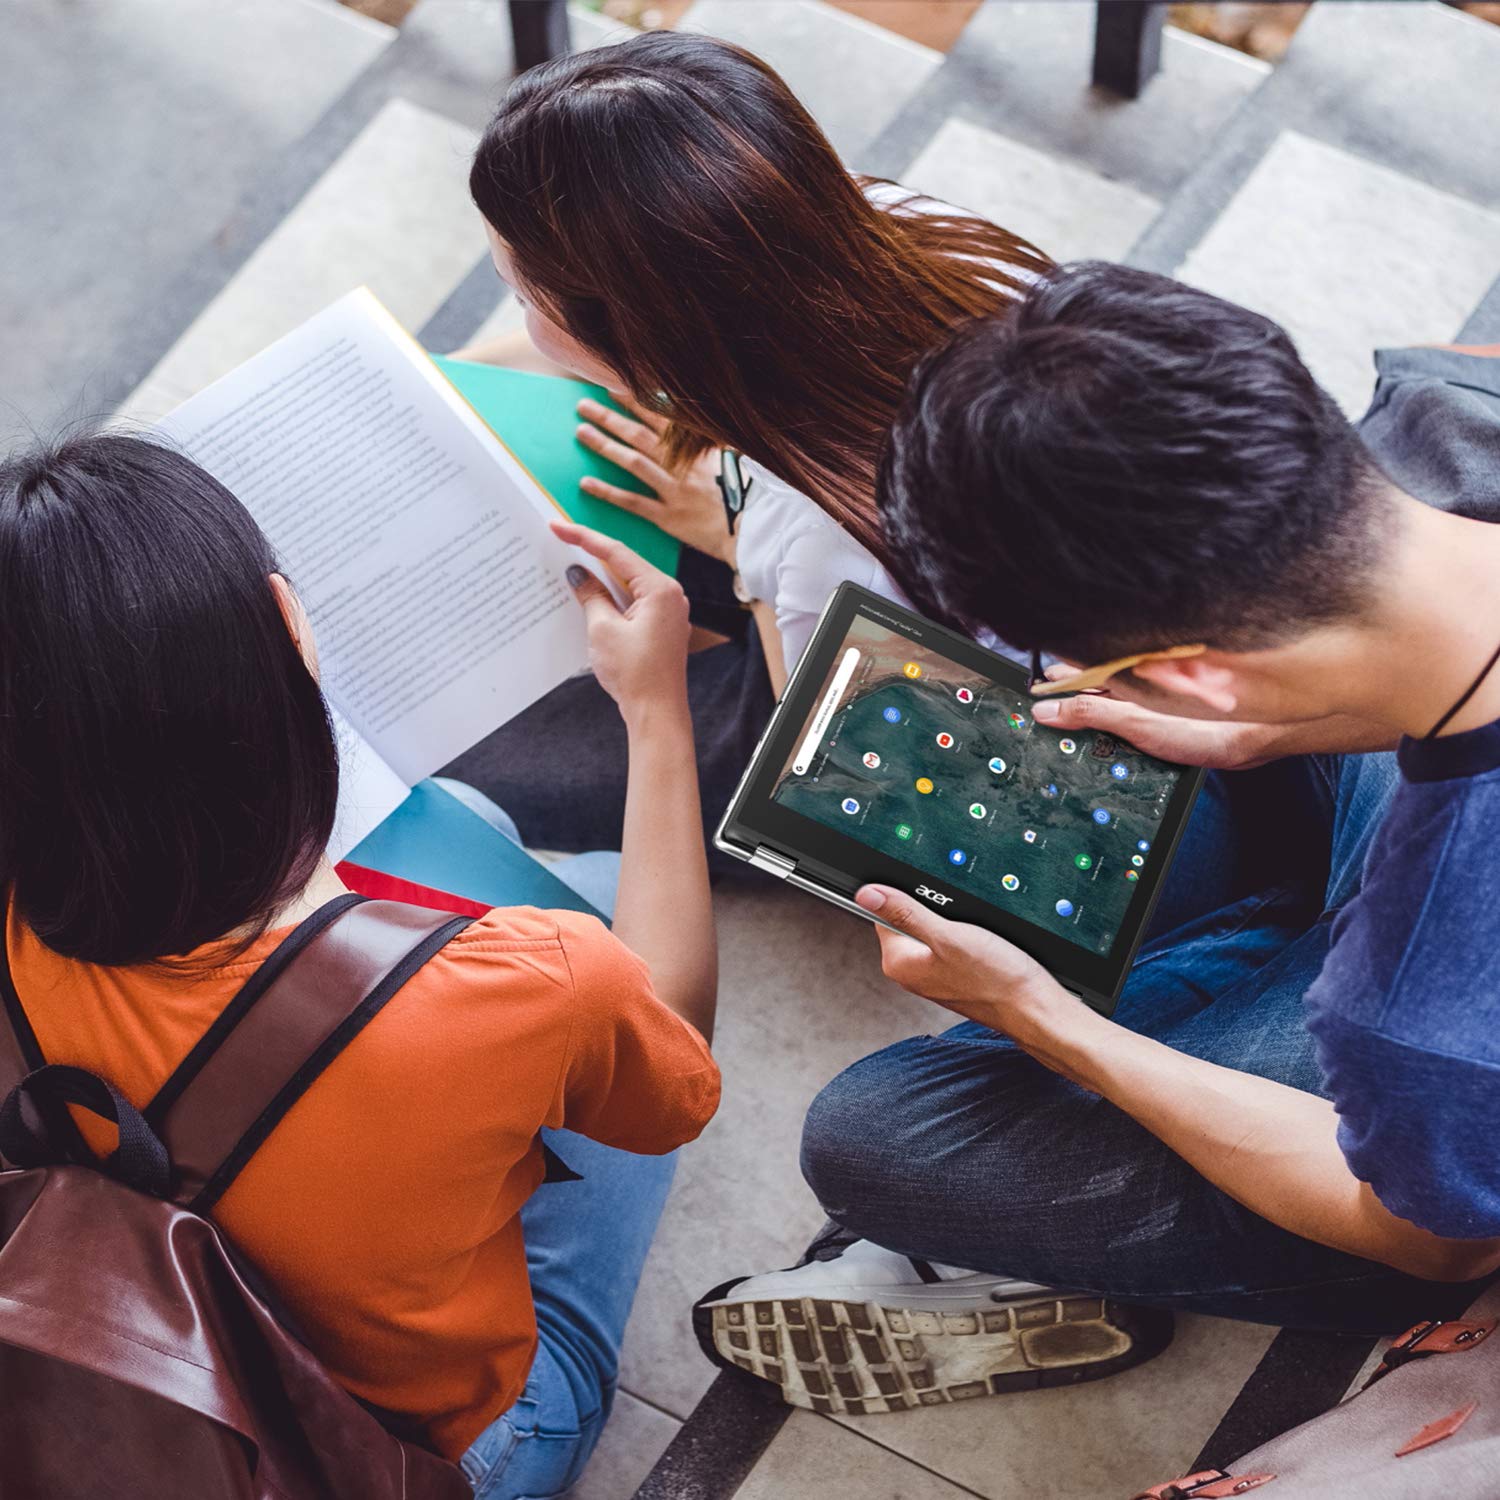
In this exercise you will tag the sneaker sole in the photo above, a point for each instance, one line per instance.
(858, 1358)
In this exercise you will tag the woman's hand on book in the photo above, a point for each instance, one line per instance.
(639, 654)
(686, 503)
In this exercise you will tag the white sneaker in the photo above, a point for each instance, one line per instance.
(859, 1329)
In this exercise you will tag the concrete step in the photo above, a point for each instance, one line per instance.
(392, 213)
(854, 77)
(1021, 70)
(142, 121)
(1350, 199)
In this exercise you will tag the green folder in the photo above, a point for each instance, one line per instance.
(536, 416)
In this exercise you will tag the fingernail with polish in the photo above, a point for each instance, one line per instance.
(577, 576)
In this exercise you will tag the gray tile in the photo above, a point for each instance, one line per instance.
(1063, 209)
(634, 1438)
(393, 214)
(813, 1457)
(1348, 255)
(852, 76)
(135, 126)
(1023, 69)
(1407, 85)
(801, 996)
(1111, 1437)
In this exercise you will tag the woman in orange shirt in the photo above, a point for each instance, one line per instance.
(168, 777)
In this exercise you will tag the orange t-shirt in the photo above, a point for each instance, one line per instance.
(384, 1208)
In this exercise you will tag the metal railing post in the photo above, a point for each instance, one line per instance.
(1127, 44)
(538, 30)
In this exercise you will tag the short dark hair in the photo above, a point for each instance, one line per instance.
(168, 772)
(1124, 463)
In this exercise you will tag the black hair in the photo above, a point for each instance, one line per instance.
(1123, 463)
(168, 772)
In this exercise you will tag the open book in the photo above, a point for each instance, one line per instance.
(416, 539)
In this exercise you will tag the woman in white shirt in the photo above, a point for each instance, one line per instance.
(679, 230)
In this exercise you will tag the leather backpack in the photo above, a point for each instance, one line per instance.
(140, 1358)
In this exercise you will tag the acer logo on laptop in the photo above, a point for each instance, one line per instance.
(936, 897)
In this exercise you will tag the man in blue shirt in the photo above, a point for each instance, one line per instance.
(1293, 1115)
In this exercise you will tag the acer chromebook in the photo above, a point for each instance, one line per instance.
(903, 753)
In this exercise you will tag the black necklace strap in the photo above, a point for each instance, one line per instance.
(1469, 692)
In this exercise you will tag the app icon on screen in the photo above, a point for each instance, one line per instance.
(912, 670)
(1101, 816)
(1030, 835)
(1017, 721)
(1143, 845)
(957, 857)
(997, 765)
(903, 830)
(1083, 861)
(1067, 746)
(849, 805)
(1064, 908)
(1119, 770)
(977, 809)
(1137, 860)
(924, 784)
(871, 760)
(964, 695)
(1010, 882)
(945, 741)
(891, 715)
(1050, 790)
(1132, 874)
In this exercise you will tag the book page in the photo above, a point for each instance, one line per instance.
(416, 541)
(369, 791)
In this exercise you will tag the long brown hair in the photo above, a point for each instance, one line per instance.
(669, 202)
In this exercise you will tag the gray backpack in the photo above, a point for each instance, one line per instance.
(1426, 1423)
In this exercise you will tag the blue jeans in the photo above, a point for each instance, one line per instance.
(961, 1149)
(586, 1243)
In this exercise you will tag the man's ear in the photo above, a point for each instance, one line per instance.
(1208, 679)
(299, 627)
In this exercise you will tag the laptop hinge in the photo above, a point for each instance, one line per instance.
(772, 862)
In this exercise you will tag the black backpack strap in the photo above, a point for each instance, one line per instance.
(21, 1057)
(20, 1053)
(139, 1160)
(315, 1001)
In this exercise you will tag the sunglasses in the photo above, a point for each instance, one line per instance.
(1041, 686)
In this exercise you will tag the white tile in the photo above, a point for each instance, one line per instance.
(812, 1457)
(1111, 1437)
(392, 213)
(1349, 256)
(854, 78)
(801, 997)
(1064, 209)
(634, 1438)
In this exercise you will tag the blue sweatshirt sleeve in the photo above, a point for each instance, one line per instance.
(1420, 1126)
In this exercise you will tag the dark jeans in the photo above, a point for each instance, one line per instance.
(559, 767)
(961, 1149)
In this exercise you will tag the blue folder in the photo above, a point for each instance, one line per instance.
(434, 840)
